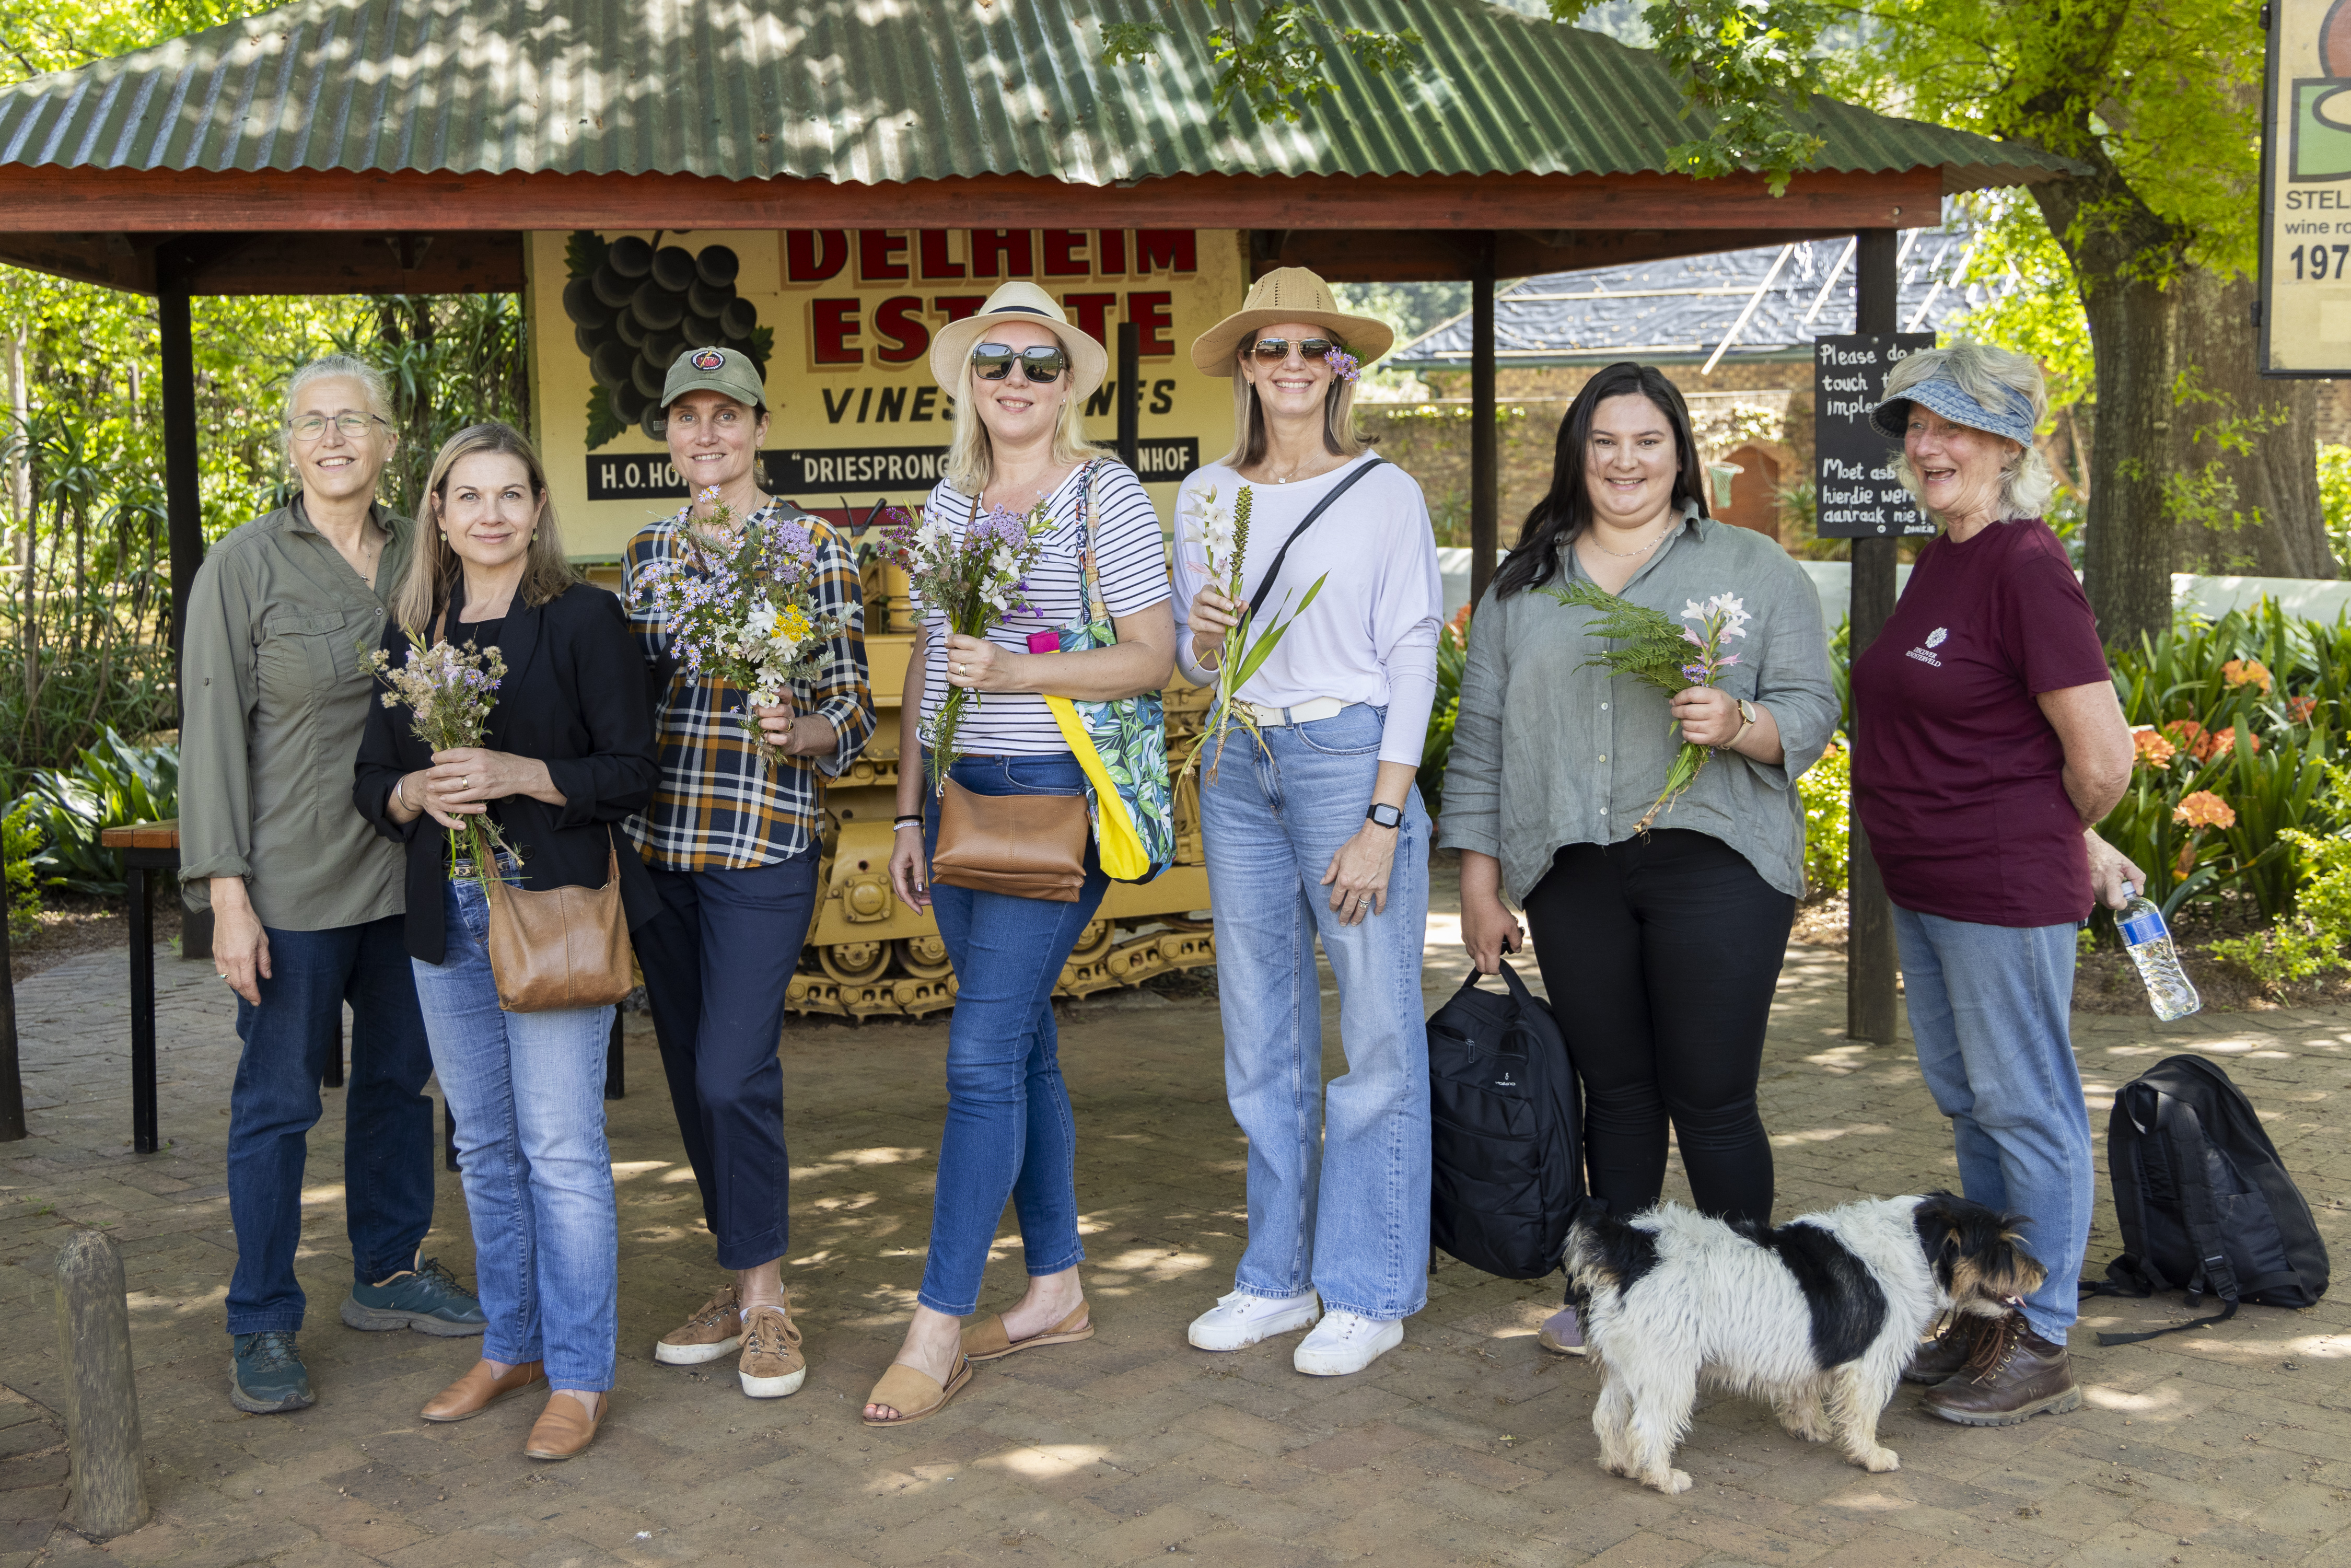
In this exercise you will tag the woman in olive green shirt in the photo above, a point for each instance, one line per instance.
(306, 899)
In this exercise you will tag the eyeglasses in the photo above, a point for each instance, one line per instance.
(1272, 349)
(1043, 363)
(310, 426)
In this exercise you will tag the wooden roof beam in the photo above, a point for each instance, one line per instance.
(48, 199)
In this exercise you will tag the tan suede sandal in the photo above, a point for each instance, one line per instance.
(902, 1387)
(988, 1342)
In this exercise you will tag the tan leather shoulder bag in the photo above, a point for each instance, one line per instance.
(566, 947)
(1030, 846)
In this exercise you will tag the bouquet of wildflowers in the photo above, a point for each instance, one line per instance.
(745, 614)
(449, 692)
(1222, 535)
(975, 582)
(1669, 654)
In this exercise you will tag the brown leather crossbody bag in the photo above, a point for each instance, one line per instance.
(566, 947)
(1030, 846)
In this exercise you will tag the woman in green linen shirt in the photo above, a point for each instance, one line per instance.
(306, 899)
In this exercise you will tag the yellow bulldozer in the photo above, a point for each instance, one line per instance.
(868, 956)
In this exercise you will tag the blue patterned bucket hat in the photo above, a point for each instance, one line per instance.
(1950, 399)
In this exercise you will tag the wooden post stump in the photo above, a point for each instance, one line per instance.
(102, 1398)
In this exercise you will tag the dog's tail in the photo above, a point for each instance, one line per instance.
(1605, 1254)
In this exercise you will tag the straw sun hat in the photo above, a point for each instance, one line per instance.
(1288, 294)
(952, 344)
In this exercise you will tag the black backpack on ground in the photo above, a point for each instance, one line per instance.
(2204, 1202)
(1508, 1131)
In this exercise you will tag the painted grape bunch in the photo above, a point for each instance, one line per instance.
(635, 310)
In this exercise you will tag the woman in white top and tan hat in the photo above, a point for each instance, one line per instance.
(1020, 374)
(1318, 831)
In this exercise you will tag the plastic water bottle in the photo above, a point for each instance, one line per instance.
(2149, 941)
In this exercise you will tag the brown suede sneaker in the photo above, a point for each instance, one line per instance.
(1948, 1351)
(714, 1329)
(2014, 1374)
(771, 1366)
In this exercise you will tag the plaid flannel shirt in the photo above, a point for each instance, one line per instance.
(717, 807)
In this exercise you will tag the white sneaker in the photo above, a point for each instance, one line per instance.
(1346, 1342)
(1242, 1319)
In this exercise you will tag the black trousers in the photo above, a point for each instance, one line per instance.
(1661, 955)
(717, 960)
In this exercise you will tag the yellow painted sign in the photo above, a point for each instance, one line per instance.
(840, 322)
(2305, 323)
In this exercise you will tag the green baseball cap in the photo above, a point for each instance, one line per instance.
(714, 369)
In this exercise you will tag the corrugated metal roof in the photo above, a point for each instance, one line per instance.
(1683, 309)
(867, 91)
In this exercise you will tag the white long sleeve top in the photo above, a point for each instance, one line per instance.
(1370, 636)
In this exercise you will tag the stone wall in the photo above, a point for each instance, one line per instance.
(1766, 406)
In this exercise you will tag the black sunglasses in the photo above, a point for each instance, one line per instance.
(1272, 349)
(1042, 363)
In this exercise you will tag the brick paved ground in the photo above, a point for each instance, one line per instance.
(1468, 1445)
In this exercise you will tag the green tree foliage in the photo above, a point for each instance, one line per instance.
(85, 600)
(2158, 100)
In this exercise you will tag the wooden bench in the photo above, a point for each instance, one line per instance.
(155, 846)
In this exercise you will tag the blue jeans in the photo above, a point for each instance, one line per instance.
(527, 1092)
(388, 1143)
(718, 960)
(1990, 1007)
(1009, 1134)
(1338, 1198)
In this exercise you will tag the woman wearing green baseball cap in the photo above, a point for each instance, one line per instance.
(732, 842)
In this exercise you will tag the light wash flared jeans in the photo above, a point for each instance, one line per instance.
(1337, 1180)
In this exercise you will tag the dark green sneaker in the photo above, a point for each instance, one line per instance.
(426, 1298)
(265, 1374)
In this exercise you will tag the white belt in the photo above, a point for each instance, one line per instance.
(1306, 712)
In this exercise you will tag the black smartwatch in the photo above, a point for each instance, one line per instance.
(1385, 816)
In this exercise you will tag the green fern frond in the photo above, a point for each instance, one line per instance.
(1654, 647)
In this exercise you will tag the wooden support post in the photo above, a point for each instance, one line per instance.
(12, 1082)
(1130, 395)
(183, 504)
(1870, 1013)
(145, 1135)
(1485, 451)
(616, 1071)
(101, 1396)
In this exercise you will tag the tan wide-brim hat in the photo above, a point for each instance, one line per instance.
(1288, 294)
(952, 344)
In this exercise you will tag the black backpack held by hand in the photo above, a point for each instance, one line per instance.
(2204, 1202)
(1506, 1170)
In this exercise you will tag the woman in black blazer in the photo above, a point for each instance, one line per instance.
(570, 752)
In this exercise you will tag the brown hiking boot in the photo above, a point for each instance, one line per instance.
(771, 1366)
(2014, 1374)
(1941, 1356)
(714, 1329)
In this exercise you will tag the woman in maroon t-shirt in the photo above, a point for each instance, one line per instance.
(1987, 740)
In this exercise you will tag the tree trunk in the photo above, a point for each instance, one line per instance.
(2130, 540)
(2254, 441)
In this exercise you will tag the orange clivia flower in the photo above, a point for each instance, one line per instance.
(2299, 709)
(2153, 750)
(2247, 672)
(2204, 809)
(2202, 743)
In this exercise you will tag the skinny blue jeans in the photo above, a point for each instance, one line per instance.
(1009, 1134)
(1338, 1189)
(527, 1092)
(1990, 1007)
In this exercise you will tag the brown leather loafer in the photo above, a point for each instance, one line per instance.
(2014, 1376)
(477, 1390)
(1943, 1355)
(565, 1429)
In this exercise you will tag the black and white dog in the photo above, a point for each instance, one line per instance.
(1819, 1315)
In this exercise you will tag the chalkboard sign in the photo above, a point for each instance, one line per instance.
(1852, 466)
